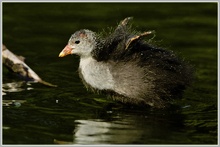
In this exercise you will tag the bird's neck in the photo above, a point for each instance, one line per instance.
(97, 74)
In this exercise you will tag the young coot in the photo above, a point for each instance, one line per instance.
(126, 67)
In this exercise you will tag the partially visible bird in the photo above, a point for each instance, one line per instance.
(126, 67)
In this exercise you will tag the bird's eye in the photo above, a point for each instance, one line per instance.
(77, 42)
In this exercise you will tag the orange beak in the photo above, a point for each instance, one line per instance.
(66, 51)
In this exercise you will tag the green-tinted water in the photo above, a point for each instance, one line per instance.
(69, 114)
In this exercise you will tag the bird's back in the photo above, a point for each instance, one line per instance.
(142, 73)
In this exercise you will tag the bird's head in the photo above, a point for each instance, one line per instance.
(81, 43)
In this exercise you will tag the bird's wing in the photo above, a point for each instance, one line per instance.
(120, 43)
(113, 43)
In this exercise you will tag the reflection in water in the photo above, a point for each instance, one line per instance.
(16, 86)
(102, 132)
(97, 131)
(42, 120)
(14, 103)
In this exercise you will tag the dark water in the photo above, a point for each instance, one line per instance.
(69, 114)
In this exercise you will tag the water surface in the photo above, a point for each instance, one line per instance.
(69, 114)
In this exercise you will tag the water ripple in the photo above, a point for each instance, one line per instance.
(16, 87)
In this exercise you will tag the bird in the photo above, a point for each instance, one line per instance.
(126, 67)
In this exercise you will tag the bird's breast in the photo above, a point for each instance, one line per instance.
(96, 74)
